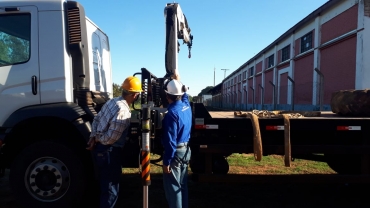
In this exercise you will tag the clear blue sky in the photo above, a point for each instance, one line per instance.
(227, 33)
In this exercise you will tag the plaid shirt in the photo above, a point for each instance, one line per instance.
(111, 121)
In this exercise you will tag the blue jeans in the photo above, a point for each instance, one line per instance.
(176, 183)
(108, 161)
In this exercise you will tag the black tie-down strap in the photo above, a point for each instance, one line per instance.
(183, 159)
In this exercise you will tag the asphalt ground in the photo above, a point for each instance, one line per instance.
(217, 194)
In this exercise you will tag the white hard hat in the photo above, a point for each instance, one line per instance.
(173, 87)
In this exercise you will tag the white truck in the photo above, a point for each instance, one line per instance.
(55, 73)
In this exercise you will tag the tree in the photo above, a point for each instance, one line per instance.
(117, 90)
(205, 91)
(190, 98)
(19, 49)
(13, 49)
(4, 58)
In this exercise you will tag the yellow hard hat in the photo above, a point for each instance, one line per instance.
(132, 84)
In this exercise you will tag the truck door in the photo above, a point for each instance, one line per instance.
(19, 66)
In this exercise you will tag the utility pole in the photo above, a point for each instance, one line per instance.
(214, 76)
(224, 72)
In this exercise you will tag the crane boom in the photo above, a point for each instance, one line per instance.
(176, 28)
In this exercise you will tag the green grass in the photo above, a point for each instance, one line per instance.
(274, 164)
(246, 164)
(154, 168)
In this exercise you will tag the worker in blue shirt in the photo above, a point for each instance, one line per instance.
(176, 133)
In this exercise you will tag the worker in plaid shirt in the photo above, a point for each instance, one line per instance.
(108, 136)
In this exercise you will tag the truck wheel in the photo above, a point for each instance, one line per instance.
(219, 164)
(47, 174)
(344, 164)
(351, 102)
(197, 163)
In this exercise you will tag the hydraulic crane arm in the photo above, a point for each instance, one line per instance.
(176, 28)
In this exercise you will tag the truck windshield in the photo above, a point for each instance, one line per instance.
(15, 32)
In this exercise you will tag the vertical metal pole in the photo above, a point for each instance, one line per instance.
(234, 99)
(293, 89)
(145, 154)
(240, 99)
(145, 196)
(262, 96)
(228, 99)
(222, 100)
(274, 94)
(321, 98)
(214, 76)
(246, 98)
(252, 97)
(219, 98)
(224, 72)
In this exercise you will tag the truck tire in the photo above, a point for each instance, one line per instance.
(351, 102)
(344, 164)
(47, 174)
(197, 163)
(219, 164)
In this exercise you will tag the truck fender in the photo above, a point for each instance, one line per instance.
(58, 112)
(67, 111)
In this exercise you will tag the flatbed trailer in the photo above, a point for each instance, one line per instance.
(342, 142)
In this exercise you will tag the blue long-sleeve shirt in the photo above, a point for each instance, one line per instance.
(176, 127)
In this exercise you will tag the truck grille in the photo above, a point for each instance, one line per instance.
(74, 26)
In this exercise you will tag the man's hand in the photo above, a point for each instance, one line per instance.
(166, 169)
(91, 143)
(176, 76)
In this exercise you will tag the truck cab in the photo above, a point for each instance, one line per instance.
(55, 68)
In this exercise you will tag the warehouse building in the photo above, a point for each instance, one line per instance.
(323, 53)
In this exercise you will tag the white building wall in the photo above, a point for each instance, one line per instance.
(363, 43)
(316, 62)
(283, 43)
(304, 30)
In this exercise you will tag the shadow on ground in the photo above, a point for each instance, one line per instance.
(230, 194)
